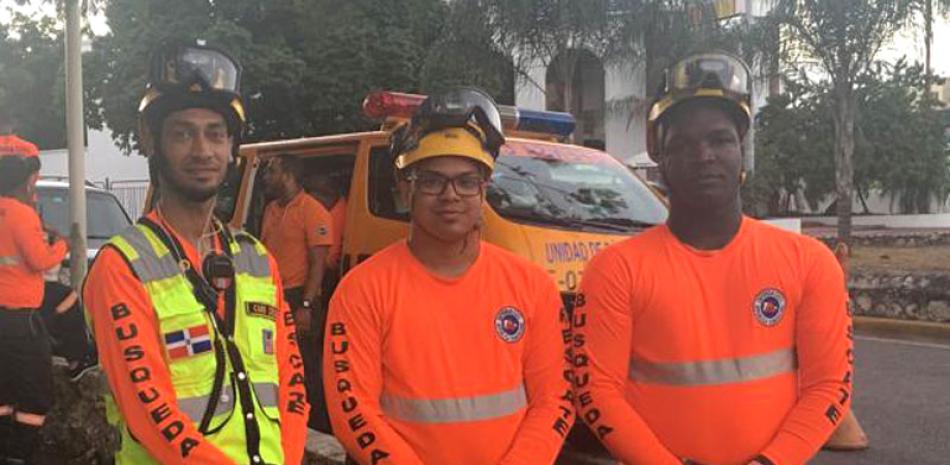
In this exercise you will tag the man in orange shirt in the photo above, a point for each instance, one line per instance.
(26, 384)
(193, 333)
(444, 349)
(299, 232)
(714, 339)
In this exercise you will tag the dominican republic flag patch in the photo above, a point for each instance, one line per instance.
(187, 342)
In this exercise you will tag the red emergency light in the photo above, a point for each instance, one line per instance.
(383, 104)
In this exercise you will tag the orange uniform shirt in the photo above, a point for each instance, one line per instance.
(715, 356)
(338, 215)
(11, 144)
(112, 283)
(420, 369)
(24, 255)
(289, 231)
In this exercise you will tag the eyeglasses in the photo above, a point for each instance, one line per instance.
(466, 185)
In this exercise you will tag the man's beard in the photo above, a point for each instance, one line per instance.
(197, 195)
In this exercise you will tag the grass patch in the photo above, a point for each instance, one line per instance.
(933, 258)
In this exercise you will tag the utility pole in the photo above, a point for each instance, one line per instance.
(75, 140)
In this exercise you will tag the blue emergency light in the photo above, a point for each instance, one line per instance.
(547, 122)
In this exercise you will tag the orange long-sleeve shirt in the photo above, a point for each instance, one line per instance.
(24, 255)
(420, 369)
(111, 283)
(715, 356)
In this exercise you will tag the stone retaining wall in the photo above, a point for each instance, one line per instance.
(901, 295)
(894, 239)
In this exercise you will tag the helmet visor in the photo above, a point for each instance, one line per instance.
(709, 71)
(465, 107)
(186, 66)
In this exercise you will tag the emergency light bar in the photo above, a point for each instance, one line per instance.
(385, 104)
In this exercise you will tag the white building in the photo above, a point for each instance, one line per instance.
(610, 102)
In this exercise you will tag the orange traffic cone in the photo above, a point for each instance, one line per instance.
(849, 436)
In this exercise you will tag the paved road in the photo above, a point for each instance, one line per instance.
(902, 398)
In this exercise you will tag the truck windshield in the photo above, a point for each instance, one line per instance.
(571, 187)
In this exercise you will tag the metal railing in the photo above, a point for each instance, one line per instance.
(131, 194)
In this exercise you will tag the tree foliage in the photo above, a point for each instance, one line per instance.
(844, 37)
(32, 79)
(307, 63)
(900, 148)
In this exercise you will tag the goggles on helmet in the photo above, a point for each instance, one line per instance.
(705, 75)
(467, 108)
(194, 68)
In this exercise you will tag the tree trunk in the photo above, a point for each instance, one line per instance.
(844, 151)
(862, 196)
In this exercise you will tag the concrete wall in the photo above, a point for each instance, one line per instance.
(624, 115)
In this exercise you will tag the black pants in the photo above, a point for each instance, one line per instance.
(311, 349)
(67, 330)
(26, 372)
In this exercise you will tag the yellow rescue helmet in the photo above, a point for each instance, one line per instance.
(718, 75)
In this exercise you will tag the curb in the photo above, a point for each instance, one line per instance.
(895, 327)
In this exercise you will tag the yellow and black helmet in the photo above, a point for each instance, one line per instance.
(715, 75)
(462, 122)
(192, 75)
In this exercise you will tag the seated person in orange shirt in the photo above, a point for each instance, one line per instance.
(714, 339)
(298, 230)
(444, 349)
(327, 189)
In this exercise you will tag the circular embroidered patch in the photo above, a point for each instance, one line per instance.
(509, 324)
(769, 307)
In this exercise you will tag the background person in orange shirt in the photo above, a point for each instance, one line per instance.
(714, 339)
(327, 188)
(26, 384)
(298, 230)
(188, 314)
(443, 349)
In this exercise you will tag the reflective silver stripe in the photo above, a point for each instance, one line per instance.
(148, 266)
(454, 410)
(195, 407)
(9, 261)
(249, 261)
(711, 372)
(266, 394)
